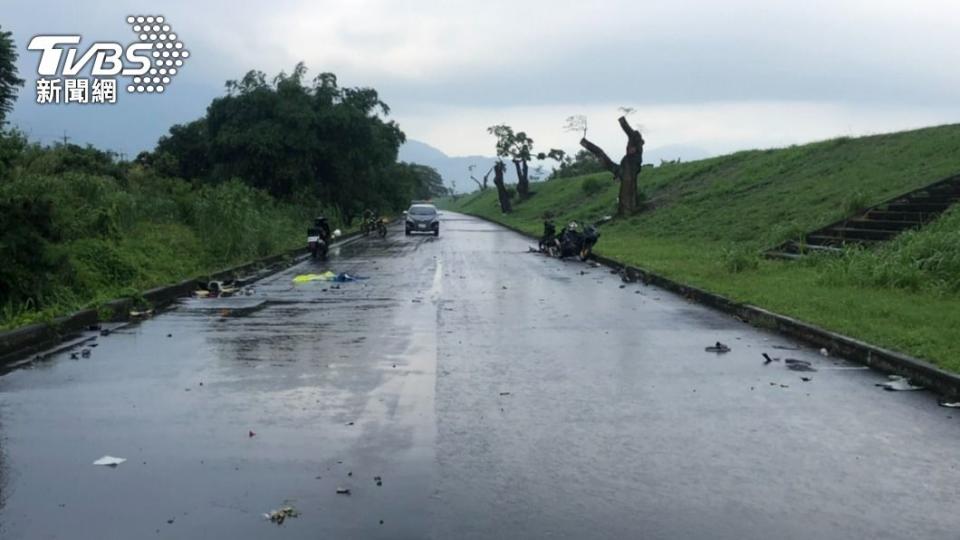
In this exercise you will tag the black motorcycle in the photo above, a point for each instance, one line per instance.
(576, 242)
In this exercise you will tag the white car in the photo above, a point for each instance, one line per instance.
(422, 218)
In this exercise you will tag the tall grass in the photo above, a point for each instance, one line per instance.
(112, 236)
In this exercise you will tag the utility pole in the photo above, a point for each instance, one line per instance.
(65, 138)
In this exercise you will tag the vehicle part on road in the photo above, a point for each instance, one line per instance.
(798, 365)
(718, 348)
(824, 352)
(251, 434)
(898, 383)
(279, 515)
(343, 491)
(141, 314)
(109, 461)
(768, 359)
(949, 404)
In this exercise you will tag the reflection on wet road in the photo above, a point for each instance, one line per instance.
(495, 393)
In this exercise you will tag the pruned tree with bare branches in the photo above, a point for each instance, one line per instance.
(627, 170)
(483, 185)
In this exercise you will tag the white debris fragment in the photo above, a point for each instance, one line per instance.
(898, 383)
(109, 461)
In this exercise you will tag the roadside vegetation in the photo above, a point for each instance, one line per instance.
(78, 226)
(707, 222)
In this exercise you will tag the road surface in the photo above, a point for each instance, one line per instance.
(495, 392)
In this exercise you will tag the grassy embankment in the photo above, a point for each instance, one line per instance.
(709, 220)
(96, 237)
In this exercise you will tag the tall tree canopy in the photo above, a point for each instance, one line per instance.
(9, 82)
(292, 138)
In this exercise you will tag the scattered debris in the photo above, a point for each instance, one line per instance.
(805, 379)
(768, 359)
(343, 491)
(109, 461)
(786, 347)
(824, 352)
(74, 356)
(85, 353)
(718, 348)
(622, 286)
(379, 482)
(898, 383)
(504, 393)
(349, 473)
(279, 515)
(349, 423)
(141, 314)
(798, 365)
(105, 332)
(251, 434)
(949, 404)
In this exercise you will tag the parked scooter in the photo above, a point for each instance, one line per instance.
(319, 238)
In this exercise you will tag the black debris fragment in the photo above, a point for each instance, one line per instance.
(718, 348)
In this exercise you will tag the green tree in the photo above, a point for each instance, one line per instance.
(291, 137)
(9, 82)
(518, 147)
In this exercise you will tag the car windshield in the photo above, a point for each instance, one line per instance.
(422, 210)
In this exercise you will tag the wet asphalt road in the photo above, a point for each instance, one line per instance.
(498, 394)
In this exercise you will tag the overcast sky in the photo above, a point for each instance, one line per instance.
(717, 76)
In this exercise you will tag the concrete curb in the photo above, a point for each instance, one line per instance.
(20, 342)
(919, 371)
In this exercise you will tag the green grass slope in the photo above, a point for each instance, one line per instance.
(707, 222)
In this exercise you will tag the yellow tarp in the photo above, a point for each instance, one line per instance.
(304, 278)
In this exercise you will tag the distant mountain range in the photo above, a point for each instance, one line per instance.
(455, 169)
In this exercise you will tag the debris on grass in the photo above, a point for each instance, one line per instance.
(109, 461)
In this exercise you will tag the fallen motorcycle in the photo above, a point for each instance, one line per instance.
(576, 242)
